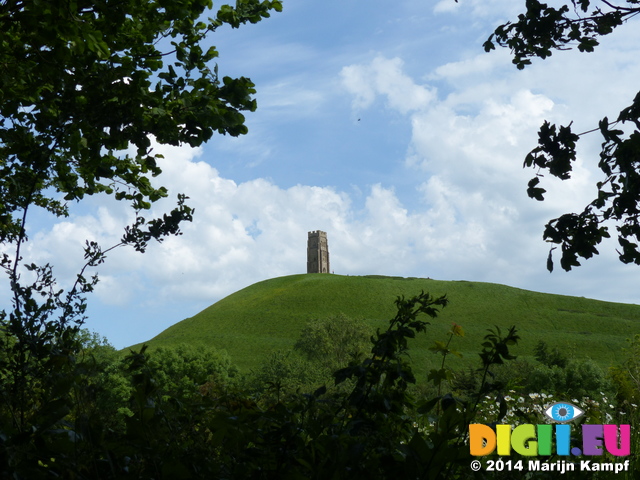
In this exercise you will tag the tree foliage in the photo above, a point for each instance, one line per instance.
(539, 31)
(626, 376)
(333, 341)
(85, 86)
(152, 418)
(179, 370)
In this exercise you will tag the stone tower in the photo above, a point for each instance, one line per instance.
(317, 252)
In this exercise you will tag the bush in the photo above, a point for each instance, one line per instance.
(626, 376)
(548, 379)
(548, 357)
(334, 341)
(180, 370)
(283, 374)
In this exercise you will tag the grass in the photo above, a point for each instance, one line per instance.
(269, 315)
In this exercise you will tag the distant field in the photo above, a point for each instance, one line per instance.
(268, 315)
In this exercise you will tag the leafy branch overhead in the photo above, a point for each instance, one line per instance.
(537, 33)
(85, 85)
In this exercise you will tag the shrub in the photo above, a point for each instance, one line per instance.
(333, 341)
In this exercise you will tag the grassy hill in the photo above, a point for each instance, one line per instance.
(269, 315)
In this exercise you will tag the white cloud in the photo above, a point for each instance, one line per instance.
(486, 142)
(385, 77)
(255, 230)
(475, 141)
(240, 232)
(469, 147)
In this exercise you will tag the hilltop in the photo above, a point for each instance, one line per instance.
(269, 315)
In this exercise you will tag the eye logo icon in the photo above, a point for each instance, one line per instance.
(563, 412)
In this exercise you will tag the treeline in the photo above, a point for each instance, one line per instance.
(343, 403)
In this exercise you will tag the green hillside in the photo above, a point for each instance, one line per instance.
(268, 315)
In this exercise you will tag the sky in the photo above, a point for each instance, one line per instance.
(384, 124)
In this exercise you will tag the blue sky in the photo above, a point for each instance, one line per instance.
(384, 124)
